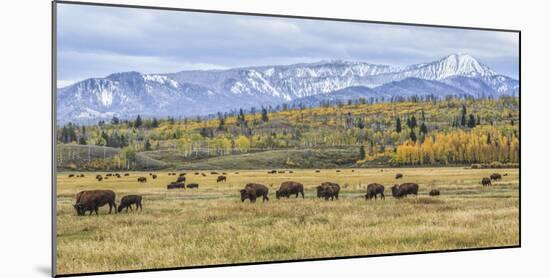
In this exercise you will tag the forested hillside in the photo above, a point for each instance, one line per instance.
(358, 133)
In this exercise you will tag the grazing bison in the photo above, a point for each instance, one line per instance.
(485, 181)
(374, 189)
(337, 171)
(213, 173)
(317, 171)
(281, 172)
(399, 191)
(288, 188)
(129, 200)
(221, 179)
(174, 185)
(398, 176)
(181, 179)
(182, 174)
(272, 172)
(142, 179)
(196, 173)
(154, 176)
(71, 175)
(193, 185)
(236, 173)
(80, 176)
(290, 172)
(117, 175)
(496, 177)
(100, 178)
(434, 192)
(253, 190)
(328, 190)
(109, 174)
(505, 174)
(203, 174)
(224, 173)
(91, 200)
(126, 174)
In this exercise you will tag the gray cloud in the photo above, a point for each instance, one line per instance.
(96, 41)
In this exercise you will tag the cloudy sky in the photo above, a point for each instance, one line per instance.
(96, 41)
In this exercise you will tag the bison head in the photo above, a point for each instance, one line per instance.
(120, 208)
(395, 190)
(79, 209)
(244, 194)
(277, 194)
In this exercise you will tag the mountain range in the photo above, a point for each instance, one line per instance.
(192, 93)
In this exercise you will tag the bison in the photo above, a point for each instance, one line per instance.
(142, 179)
(288, 188)
(174, 185)
(203, 174)
(181, 179)
(182, 174)
(272, 172)
(126, 174)
(328, 190)
(486, 181)
(221, 179)
(213, 173)
(317, 171)
(399, 191)
(434, 192)
(398, 176)
(496, 177)
(109, 174)
(253, 190)
(290, 172)
(91, 200)
(154, 176)
(374, 189)
(71, 175)
(100, 178)
(129, 200)
(117, 175)
(193, 185)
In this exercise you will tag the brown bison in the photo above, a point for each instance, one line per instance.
(400, 191)
(253, 190)
(398, 176)
(109, 175)
(288, 188)
(193, 185)
(197, 173)
(91, 200)
(328, 190)
(203, 174)
(117, 175)
(181, 179)
(221, 179)
(434, 192)
(80, 176)
(182, 174)
(485, 181)
(71, 175)
(317, 171)
(374, 189)
(337, 171)
(174, 185)
(154, 176)
(290, 172)
(142, 179)
(129, 200)
(272, 172)
(496, 177)
(100, 178)
(126, 174)
(280, 172)
(213, 173)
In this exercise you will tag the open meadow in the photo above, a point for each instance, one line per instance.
(210, 225)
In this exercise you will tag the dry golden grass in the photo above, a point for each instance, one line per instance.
(212, 226)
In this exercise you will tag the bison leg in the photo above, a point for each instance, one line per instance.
(382, 196)
(265, 198)
(302, 194)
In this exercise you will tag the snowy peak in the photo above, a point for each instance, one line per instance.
(452, 65)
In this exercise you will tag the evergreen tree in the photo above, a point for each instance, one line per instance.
(115, 120)
(147, 145)
(265, 117)
(413, 122)
(82, 141)
(412, 135)
(362, 154)
(138, 122)
(471, 121)
(423, 128)
(155, 123)
(463, 117)
(398, 125)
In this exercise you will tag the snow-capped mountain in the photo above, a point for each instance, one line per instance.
(190, 93)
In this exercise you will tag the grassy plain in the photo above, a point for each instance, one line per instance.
(212, 226)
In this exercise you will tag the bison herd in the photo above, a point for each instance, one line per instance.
(91, 200)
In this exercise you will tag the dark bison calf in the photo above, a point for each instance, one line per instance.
(193, 185)
(174, 185)
(434, 192)
(485, 181)
(374, 189)
(288, 188)
(129, 200)
(398, 176)
(252, 191)
(142, 179)
(399, 191)
(221, 179)
(91, 200)
(496, 177)
(328, 190)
